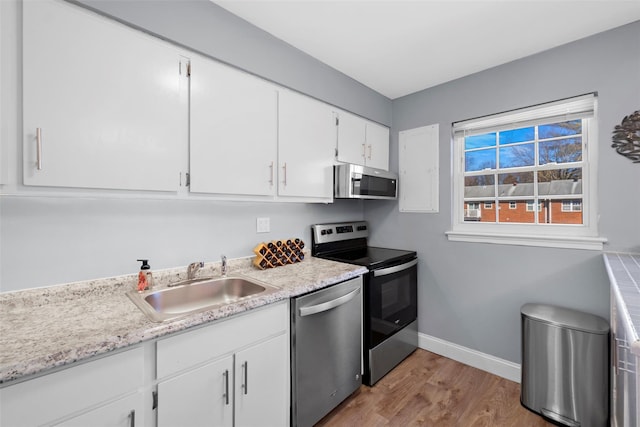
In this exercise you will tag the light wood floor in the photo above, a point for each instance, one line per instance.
(431, 390)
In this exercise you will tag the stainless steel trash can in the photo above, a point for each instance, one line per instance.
(565, 365)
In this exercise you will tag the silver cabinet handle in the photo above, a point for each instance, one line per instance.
(132, 418)
(396, 269)
(284, 181)
(364, 151)
(271, 179)
(225, 374)
(245, 385)
(319, 308)
(39, 148)
(370, 151)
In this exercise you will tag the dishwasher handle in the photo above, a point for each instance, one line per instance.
(325, 306)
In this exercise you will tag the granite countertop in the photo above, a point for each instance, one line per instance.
(50, 327)
(624, 275)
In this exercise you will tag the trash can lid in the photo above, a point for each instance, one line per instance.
(566, 318)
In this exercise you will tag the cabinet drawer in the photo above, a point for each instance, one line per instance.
(50, 397)
(193, 347)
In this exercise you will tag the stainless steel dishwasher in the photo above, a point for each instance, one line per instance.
(326, 350)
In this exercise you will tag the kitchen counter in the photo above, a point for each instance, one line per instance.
(41, 329)
(624, 275)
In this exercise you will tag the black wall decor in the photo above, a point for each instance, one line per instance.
(626, 137)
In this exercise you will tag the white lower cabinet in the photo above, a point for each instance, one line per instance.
(234, 372)
(231, 373)
(125, 412)
(262, 386)
(198, 397)
(104, 392)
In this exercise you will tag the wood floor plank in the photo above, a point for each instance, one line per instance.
(430, 390)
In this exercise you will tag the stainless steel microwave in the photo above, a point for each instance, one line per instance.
(360, 182)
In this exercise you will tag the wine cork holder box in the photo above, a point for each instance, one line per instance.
(278, 252)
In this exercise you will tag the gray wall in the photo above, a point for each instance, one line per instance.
(470, 293)
(51, 240)
(47, 241)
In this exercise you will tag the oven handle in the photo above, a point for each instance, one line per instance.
(319, 308)
(395, 269)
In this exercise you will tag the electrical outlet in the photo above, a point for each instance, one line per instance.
(263, 225)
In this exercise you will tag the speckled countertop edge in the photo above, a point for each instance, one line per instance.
(624, 275)
(45, 328)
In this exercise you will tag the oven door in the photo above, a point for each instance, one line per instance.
(392, 300)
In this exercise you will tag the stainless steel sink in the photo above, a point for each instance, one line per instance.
(197, 295)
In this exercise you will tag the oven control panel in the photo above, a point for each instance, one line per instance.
(325, 233)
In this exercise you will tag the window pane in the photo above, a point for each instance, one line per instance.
(565, 211)
(479, 160)
(560, 182)
(479, 141)
(561, 151)
(573, 127)
(519, 155)
(515, 211)
(515, 184)
(479, 211)
(479, 186)
(516, 135)
(472, 211)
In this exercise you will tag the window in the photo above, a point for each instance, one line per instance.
(542, 156)
(571, 206)
(488, 205)
(531, 203)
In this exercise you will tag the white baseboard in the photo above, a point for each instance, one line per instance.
(486, 362)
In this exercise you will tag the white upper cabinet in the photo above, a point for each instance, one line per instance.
(377, 149)
(362, 142)
(305, 147)
(234, 131)
(105, 106)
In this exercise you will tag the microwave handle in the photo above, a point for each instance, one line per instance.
(395, 269)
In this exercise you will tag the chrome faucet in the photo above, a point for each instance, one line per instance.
(193, 269)
(223, 266)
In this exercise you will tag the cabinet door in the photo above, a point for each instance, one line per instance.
(351, 139)
(125, 412)
(200, 397)
(262, 384)
(107, 101)
(306, 144)
(234, 133)
(57, 395)
(377, 146)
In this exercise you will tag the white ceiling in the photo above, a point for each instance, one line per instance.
(400, 47)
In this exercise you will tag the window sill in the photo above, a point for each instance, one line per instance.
(569, 242)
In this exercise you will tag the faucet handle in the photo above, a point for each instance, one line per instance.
(193, 268)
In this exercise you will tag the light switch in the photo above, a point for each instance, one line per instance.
(263, 225)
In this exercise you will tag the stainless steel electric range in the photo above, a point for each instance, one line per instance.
(390, 293)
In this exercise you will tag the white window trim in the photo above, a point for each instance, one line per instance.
(572, 236)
